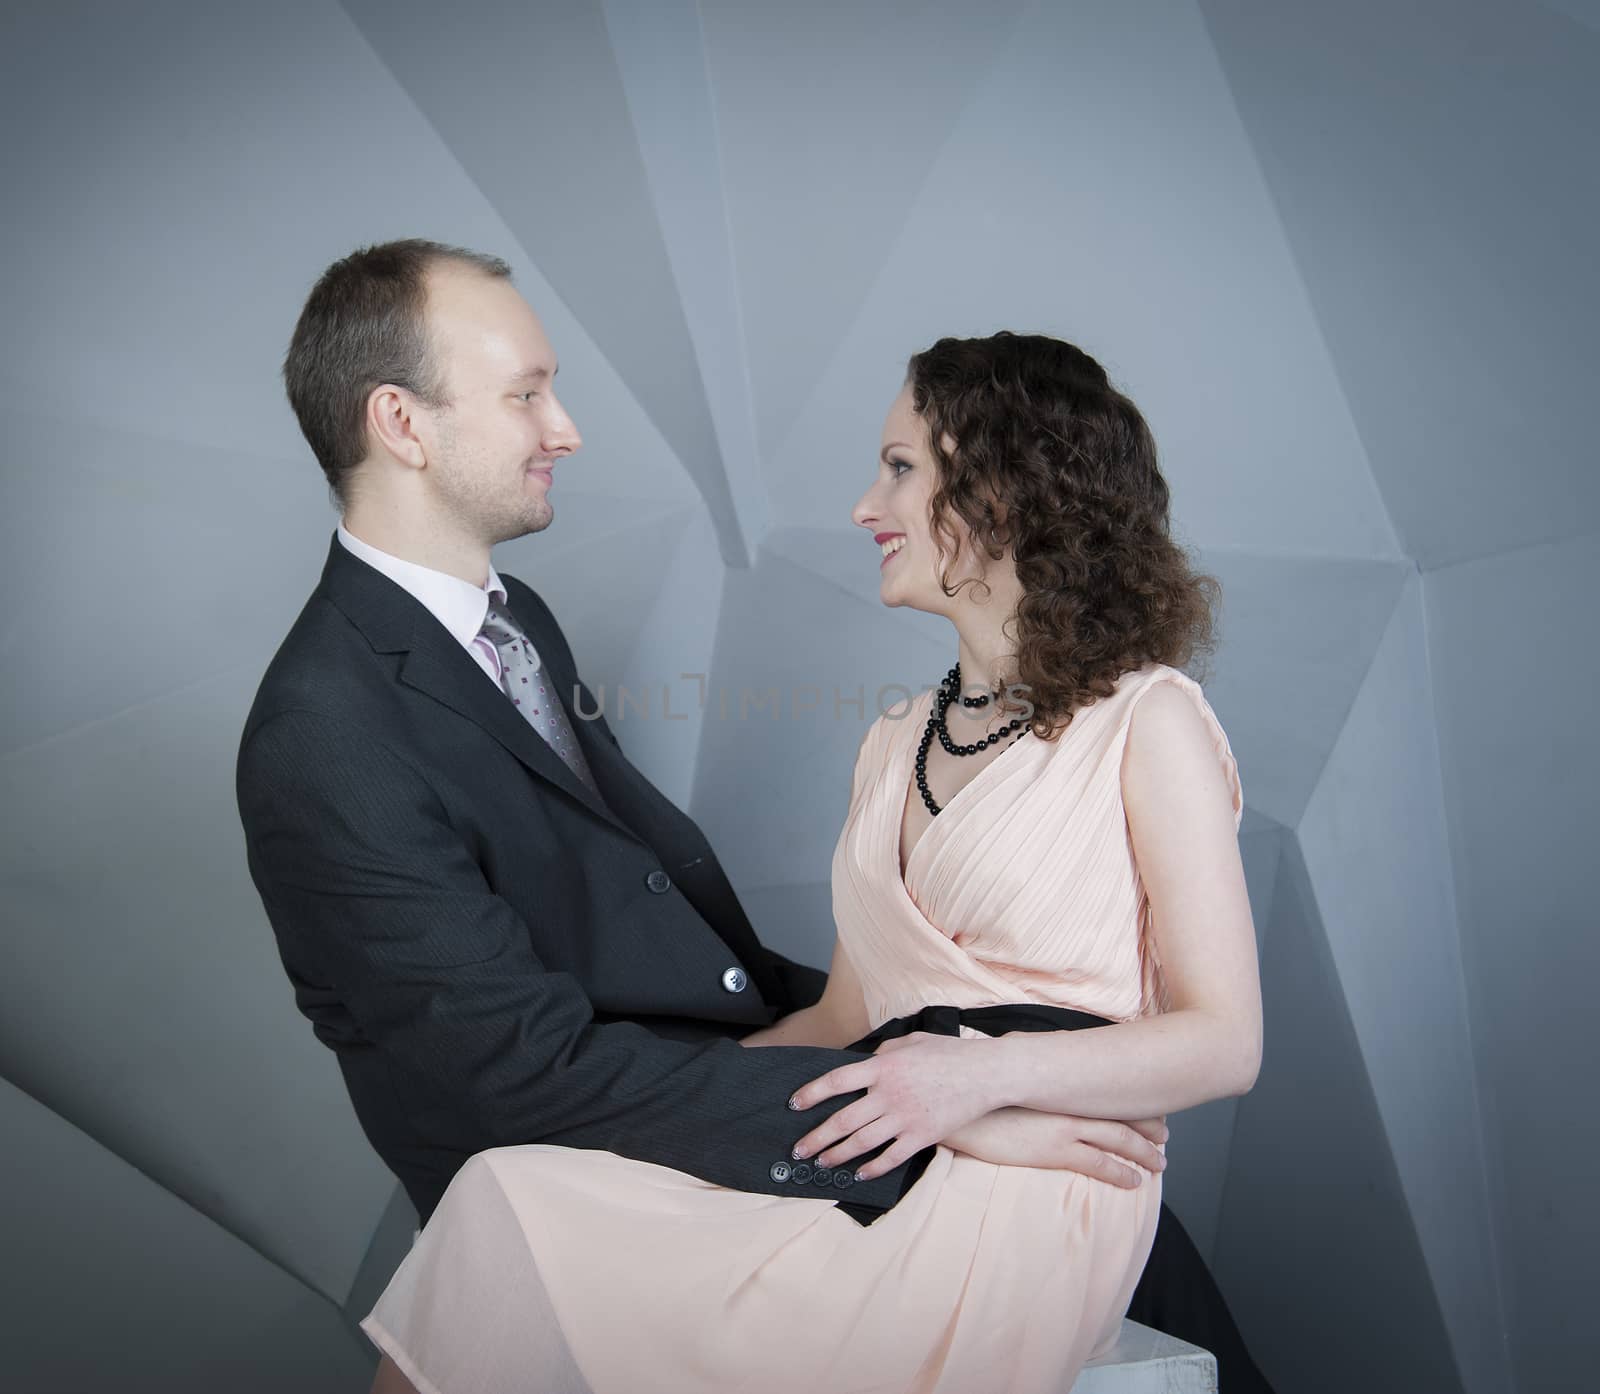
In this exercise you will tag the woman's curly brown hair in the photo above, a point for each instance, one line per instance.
(1052, 462)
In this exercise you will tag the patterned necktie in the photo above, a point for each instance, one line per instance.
(524, 682)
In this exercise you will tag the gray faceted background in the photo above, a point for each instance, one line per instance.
(1341, 255)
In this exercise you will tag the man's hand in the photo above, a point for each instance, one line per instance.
(1091, 1146)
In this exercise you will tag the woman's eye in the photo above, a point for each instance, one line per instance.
(897, 467)
(526, 396)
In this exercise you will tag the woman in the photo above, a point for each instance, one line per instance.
(1046, 840)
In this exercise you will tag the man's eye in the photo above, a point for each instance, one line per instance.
(526, 395)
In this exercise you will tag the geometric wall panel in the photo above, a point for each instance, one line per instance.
(1510, 642)
(1586, 12)
(153, 283)
(671, 659)
(1433, 166)
(87, 535)
(1129, 216)
(1394, 938)
(795, 920)
(845, 556)
(110, 1282)
(143, 998)
(1315, 1250)
(581, 209)
(784, 720)
(798, 86)
(602, 608)
(1296, 637)
(661, 60)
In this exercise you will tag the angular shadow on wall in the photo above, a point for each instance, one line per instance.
(1316, 1250)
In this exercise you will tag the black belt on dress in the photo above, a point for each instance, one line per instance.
(943, 1020)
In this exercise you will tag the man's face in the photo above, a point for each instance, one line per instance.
(493, 449)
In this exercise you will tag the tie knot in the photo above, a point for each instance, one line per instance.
(509, 639)
(500, 628)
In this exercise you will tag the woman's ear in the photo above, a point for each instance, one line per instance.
(998, 533)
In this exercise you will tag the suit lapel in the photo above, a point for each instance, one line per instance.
(626, 789)
(395, 621)
(606, 762)
(463, 688)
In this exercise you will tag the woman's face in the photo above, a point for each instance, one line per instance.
(896, 511)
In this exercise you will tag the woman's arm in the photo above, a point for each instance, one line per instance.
(1208, 1045)
(1096, 1147)
(836, 1019)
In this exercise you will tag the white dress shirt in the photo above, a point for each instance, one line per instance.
(458, 605)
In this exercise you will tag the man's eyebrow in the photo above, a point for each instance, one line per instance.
(531, 375)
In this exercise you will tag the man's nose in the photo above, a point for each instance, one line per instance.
(561, 433)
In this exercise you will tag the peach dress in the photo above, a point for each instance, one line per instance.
(564, 1271)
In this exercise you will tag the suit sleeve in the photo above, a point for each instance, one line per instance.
(376, 898)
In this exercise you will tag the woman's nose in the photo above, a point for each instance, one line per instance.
(864, 514)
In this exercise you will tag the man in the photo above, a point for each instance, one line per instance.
(502, 929)
(504, 932)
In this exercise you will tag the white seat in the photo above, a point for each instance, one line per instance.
(1145, 1361)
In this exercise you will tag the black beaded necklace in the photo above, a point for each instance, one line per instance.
(948, 691)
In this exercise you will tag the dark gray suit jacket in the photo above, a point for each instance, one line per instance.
(494, 956)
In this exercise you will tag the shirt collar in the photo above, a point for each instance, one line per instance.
(458, 605)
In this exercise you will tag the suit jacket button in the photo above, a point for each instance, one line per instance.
(822, 1176)
(659, 882)
(780, 1171)
(733, 980)
(800, 1173)
(843, 1178)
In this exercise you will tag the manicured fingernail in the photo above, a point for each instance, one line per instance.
(793, 1102)
(797, 1154)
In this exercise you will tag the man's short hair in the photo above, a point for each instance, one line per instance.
(365, 324)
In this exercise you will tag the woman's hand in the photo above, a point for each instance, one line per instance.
(1094, 1147)
(920, 1089)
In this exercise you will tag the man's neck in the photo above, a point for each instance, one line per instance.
(437, 550)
